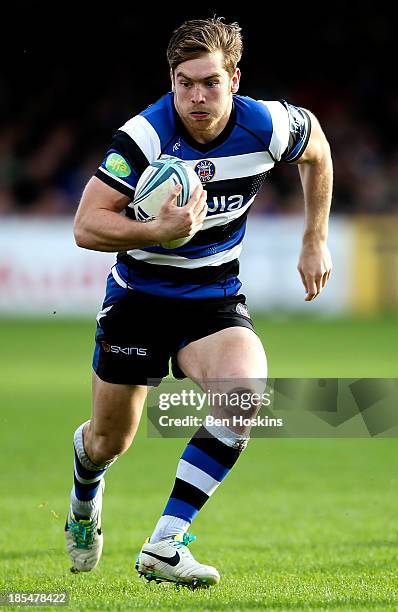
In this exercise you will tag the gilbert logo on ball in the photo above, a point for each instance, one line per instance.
(156, 183)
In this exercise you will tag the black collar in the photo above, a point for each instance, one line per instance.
(204, 147)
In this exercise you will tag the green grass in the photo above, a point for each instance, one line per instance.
(298, 524)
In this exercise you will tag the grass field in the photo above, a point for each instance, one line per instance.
(298, 524)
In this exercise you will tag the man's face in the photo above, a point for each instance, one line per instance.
(203, 93)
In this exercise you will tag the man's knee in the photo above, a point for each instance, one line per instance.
(103, 447)
(244, 400)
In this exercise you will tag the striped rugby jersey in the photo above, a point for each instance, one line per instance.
(232, 169)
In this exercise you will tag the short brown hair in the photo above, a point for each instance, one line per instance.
(198, 36)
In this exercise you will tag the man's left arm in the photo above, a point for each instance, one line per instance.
(316, 174)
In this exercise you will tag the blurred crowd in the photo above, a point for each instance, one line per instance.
(58, 118)
(45, 162)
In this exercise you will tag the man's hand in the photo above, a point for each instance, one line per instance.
(179, 222)
(315, 266)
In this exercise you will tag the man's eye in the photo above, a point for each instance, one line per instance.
(185, 83)
(212, 83)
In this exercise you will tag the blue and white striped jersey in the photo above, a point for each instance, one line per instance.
(232, 169)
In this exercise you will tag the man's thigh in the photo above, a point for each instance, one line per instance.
(231, 353)
(230, 366)
(219, 340)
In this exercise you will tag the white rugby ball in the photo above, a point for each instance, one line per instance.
(156, 183)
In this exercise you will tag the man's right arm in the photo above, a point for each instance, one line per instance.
(100, 226)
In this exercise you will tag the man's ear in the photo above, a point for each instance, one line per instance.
(235, 81)
(172, 81)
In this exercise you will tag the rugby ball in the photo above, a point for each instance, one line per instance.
(156, 183)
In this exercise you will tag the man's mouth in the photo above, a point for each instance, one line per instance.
(199, 114)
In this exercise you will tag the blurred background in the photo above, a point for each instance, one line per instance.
(73, 78)
(325, 510)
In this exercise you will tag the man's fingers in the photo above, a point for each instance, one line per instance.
(313, 285)
(310, 287)
(172, 195)
(195, 197)
(325, 278)
(303, 279)
(201, 204)
(175, 192)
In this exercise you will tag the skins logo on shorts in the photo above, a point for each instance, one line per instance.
(129, 351)
(205, 169)
(242, 310)
(117, 165)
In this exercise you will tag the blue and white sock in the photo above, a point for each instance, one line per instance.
(86, 491)
(206, 461)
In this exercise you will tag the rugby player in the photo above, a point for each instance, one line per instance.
(191, 294)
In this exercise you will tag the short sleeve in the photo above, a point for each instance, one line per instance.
(123, 164)
(279, 137)
(299, 132)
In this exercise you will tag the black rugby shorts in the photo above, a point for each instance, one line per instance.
(139, 333)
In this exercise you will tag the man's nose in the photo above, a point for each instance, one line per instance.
(197, 94)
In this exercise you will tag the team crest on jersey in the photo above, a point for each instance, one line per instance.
(205, 169)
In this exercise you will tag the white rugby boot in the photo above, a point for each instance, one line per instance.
(170, 561)
(84, 538)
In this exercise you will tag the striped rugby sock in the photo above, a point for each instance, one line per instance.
(207, 459)
(87, 478)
